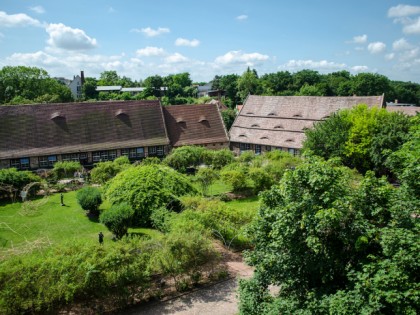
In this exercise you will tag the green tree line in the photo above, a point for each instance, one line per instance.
(22, 84)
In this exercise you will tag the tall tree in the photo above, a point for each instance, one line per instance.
(247, 84)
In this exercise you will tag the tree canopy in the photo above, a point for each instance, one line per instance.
(333, 247)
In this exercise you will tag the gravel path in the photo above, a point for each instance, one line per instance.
(216, 299)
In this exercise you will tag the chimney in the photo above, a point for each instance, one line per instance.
(82, 76)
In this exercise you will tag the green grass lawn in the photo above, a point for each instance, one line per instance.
(246, 204)
(45, 221)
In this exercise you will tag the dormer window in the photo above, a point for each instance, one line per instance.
(272, 114)
(202, 118)
(57, 115)
(180, 120)
(278, 127)
(120, 112)
(242, 136)
(250, 113)
(297, 115)
(290, 140)
(264, 138)
(255, 126)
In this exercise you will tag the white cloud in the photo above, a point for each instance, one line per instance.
(187, 42)
(150, 51)
(401, 44)
(16, 20)
(360, 68)
(176, 58)
(310, 64)
(237, 56)
(412, 27)
(150, 32)
(65, 37)
(402, 10)
(376, 47)
(242, 17)
(38, 9)
(390, 56)
(361, 39)
(410, 55)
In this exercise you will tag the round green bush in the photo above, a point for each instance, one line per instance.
(147, 188)
(118, 219)
(89, 198)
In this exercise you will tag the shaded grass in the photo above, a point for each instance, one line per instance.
(45, 220)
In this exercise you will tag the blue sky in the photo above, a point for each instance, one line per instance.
(142, 38)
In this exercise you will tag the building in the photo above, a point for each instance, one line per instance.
(408, 110)
(37, 136)
(278, 122)
(196, 125)
(74, 85)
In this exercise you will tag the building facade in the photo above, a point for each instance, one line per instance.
(266, 123)
(37, 136)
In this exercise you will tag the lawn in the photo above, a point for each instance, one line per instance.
(45, 221)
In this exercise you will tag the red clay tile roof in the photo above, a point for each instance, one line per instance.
(33, 130)
(280, 120)
(408, 110)
(194, 124)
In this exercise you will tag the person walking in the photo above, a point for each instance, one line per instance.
(101, 238)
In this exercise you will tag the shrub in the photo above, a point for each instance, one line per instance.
(63, 169)
(104, 171)
(89, 198)
(205, 177)
(221, 158)
(161, 219)
(150, 160)
(118, 219)
(184, 157)
(12, 181)
(237, 179)
(147, 188)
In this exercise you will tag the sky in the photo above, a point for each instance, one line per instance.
(139, 38)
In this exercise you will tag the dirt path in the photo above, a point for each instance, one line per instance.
(219, 298)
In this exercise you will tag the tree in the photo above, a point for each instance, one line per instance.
(109, 77)
(369, 84)
(104, 171)
(333, 248)
(89, 198)
(31, 83)
(205, 177)
(118, 219)
(89, 89)
(228, 116)
(184, 157)
(247, 84)
(147, 188)
(64, 169)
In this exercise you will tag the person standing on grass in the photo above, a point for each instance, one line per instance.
(62, 199)
(101, 238)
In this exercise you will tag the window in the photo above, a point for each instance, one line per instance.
(292, 151)
(268, 147)
(133, 153)
(70, 157)
(257, 149)
(157, 151)
(47, 161)
(244, 147)
(99, 156)
(152, 150)
(279, 148)
(20, 164)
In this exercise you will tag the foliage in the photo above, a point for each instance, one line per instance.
(363, 138)
(238, 180)
(104, 171)
(247, 84)
(30, 83)
(205, 177)
(224, 222)
(118, 219)
(89, 198)
(228, 116)
(147, 188)
(12, 181)
(65, 169)
(150, 160)
(332, 247)
(183, 157)
(42, 281)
